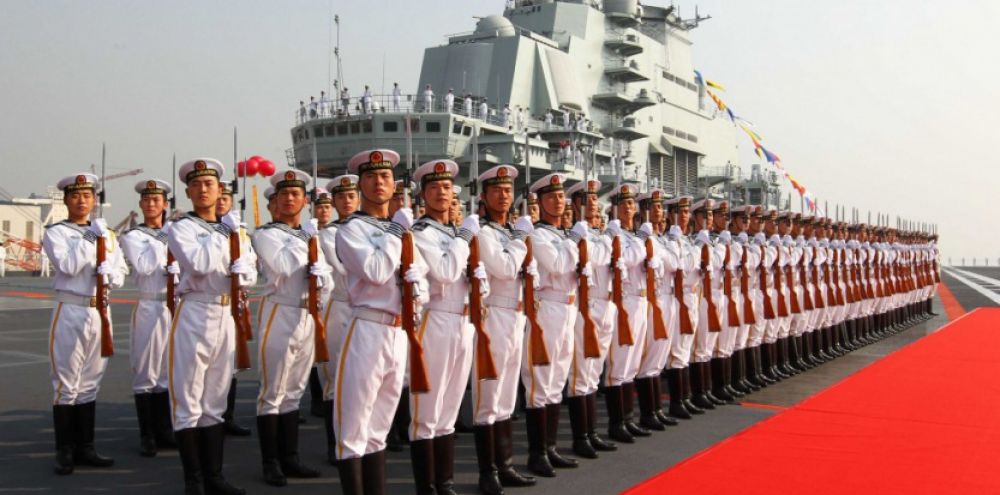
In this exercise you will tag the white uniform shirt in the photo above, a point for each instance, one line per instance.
(449, 101)
(468, 106)
(445, 249)
(284, 258)
(484, 110)
(502, 251)
(145, 249)
(328, 242)
(599, 255)
(202, 250)
(557, 256)
(73, 252)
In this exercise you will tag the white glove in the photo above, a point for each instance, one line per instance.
(702, 238)
(524, 225)
(415, 274)
(646, 228)
(657, 265)
(232, 220)
(105, 269)
(614, 227)
(775, 240)
(759, 238)
(471, 223)
(726, 237)
(674, 231)
(622, 268)
(174, 269)
(311, 227)
(581, 229)
(404, 217)
(244, 269)
(484, 282)
(743, 238)
(321, 272)
(99, 227)
(533, 271)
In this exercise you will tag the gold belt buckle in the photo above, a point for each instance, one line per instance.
(224, 299)
(93, 302)
(571, 299)
(642, 293)
(397, 321)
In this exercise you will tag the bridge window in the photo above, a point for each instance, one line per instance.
(433, 127)
(390, 126)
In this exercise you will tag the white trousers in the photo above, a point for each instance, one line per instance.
(370, 368)
(148, 350)
(586, 372)
(544, 384)
(202, 347)
(681, 343)
(706, 341)
(623, 361)
(494, 400)
(337, 315)
(656, 352)
(730, 329)
(287, 352)
(75, 354)
(447, 340)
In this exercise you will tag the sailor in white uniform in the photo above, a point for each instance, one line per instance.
(372, 354)
(709, 255)
(428, 99)
(686, 283)
(75, 335)
(145, 249)
(397, 95)
(287, 350)
(467, 105)
(202, 335)
(449, 101)
(484, 110)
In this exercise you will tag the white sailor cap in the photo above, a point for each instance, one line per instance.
(549, 183)
(746, 210)
(704, 204)
(532, 200)
(152, 186)
(679, 202)
(654, 195)
(623, 192)
(290, 178)
(500, 174)
(783, 214)
(322, 197)
(269, 193)
(200, 167)
(398, 191)
(721, 208)
(342, 183)
(436, 170)
(456, 190)
(79, 181)
(591, 186)
(226, 188)
(770, 214)
(366, 161)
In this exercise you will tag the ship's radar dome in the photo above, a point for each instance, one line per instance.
(495, 25)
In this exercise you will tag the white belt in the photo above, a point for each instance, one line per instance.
(376, 316)
(288, 301)
(454, 307)
(556, 296)
(85, 301)
(503, 302)
(152, 296)
(635, 292)
(220, 299)
(340, 297)
(600, 296)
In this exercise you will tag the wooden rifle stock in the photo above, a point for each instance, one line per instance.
(107, 342)
(419, 382)
(817, 293)
(727, 288)
(782, 307)
(837, 264)
(807, 302)
(792, 295)
(486, 368)
(706, 290)
(539, 354)
(319, 335)
(617, 294)
(659, 324)
(749, 317)
(768, 303)
(591, 349)
(171, 286)
(236, 306)
(682, 307)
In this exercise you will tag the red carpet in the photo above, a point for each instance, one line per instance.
(921, 420)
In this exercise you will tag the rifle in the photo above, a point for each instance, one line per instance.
(486, 368)
(591, 348)
(748, 315)
(807, 302)
(237, 304)
(319, 333)
(782, 308)
(727, 288)
(103, 290)
(706, 290)
(838, 261)
(539, 354)
(793, 297)
(617, 289)
(817, 293)
(768, 304)
(171, 283)
(419, 381)
(659, 326)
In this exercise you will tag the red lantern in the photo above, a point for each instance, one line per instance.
(266, 168)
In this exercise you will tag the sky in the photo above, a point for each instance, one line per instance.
(884, 105)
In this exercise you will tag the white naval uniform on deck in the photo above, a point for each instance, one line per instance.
(756, 261)
(444, 331)
(773, 265)
(202, 335)
(557, 255)
(287, 342)
(727, 336)
(502, 251)
(586, 372)
(785, 259)
(371, 361)
(796, 284)
(741, 245)
(681, 343)
(705, 341)
(655, 352)
(623, 361)
(75, 334)
(146, 251)
(337, 313)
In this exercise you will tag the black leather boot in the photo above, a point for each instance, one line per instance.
(144, 411)
(315, 393)
(163, 428)
(489, 482)
(444, 464)
(232, 427)
(551, 435)
(268, 431)
(752, 368)
(737, 370)
(599, 444)
(676, 408)
(63, 422)
(647, 419)
(656, 391)
(373, 473)
(727, 377)
(698, 397)
(422, 463)
(578, 424)
(616, 415)
(538, 457)
(350, 473)
(188, 447)
(628, 411)
(288, 448)
(504, 456)
(686, 392)
(210, 443)
(717, 375)
(85, 454)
